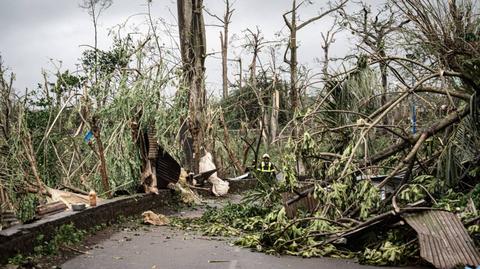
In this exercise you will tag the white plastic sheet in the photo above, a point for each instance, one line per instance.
(219, 186)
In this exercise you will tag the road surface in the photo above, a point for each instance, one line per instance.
(151, 247)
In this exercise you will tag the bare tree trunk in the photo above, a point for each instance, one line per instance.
(275, 110)
(293, 63)
(30, 154)
(328, 39)
(240, 80)
(384, 75)
(223, 42)
(193, 50)
(265, 126)
(253, 69)
(101, 154)
(225, 20)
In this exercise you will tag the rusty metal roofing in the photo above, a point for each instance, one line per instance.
(444, 241)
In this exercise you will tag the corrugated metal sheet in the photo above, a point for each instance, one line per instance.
(167, 168)
(444, 241)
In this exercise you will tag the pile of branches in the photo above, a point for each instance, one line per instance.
(373, 233)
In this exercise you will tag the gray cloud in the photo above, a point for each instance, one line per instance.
(33, 32)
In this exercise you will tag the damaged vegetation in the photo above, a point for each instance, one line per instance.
(366, 148)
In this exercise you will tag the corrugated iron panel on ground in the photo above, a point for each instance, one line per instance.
(444, 241)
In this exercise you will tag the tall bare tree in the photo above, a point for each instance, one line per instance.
(275, 97)
(373, 30)
(256, 42)
(95, 9)
(294, 26)
(193, 50)
(328, 38)
(224, 37)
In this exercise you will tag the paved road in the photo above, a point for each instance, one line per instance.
(165, 248)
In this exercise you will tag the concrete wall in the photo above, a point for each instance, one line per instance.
(21, 238)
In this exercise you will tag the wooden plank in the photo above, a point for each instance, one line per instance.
(51, 208)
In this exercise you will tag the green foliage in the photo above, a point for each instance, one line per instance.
(289, 162)
(420, 187)
(106, 62)
(266, 193)
(368, 197)
(231, 220)
(387, 254)
(65, 235)
(243, 104)
(27, 207)
(241, 217)
(250, 241)
(20, 259)
(394, 248)
(474, 231)
(460, 154)
(341, 194)
(217, 229)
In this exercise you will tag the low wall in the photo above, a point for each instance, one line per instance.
(21, 238)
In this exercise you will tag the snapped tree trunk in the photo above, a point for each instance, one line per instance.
(193, 50)
(275, 110)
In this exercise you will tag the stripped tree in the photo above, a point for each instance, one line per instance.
(193, 50)
(294, 26)
(224, 37)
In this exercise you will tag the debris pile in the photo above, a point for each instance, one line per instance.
(351, 221)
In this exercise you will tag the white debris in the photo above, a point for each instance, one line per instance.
(219, 186)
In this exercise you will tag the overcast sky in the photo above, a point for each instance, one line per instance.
(35, 35)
